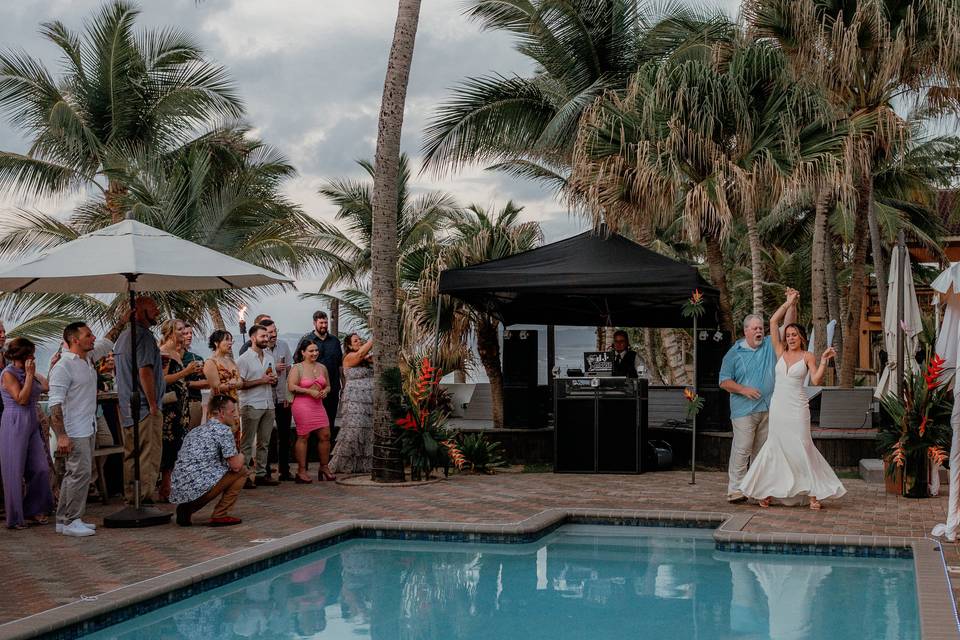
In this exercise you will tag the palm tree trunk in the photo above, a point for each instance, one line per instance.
(877, 249)
(834, 301)
(718, 274)
(488, 346)
(756, 260)
(677, 372)
(334, 317)
(387, 464)
(114, 201)
(650, 356)
(818, 271)
(217, 319)
(858, 284)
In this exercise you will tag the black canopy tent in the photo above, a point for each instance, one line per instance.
(592, 279)
(588, 280)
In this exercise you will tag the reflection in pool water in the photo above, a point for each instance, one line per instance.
(583, 582)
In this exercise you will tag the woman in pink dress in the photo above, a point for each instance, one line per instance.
(308, 384)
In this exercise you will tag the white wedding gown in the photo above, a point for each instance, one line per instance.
(789, 468)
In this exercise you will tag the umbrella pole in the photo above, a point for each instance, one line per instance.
(901, 251)
(137, 515)
(693, 437)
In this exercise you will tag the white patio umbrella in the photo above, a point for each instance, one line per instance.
(912, 323)
(128, 257)
(947, 286)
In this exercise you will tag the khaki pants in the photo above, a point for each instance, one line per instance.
(151, 445)
(228, 489)
(76, 480)
(257, 426)
(749, 434)
(196, 413)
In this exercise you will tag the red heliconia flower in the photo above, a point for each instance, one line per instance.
(899, 455)
(689, 394)
(938, 455)
(934, 372)
(923, 426)
(696, 297)
(407, 422)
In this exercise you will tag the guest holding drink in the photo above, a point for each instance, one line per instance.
(280, 444)
(308, 382)
(221, 371)
(23, 458)
(196, 382)
(176, 403)
(354, 450)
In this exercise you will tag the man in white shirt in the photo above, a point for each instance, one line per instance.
(258, 373)
(73, 416)
(282, 444)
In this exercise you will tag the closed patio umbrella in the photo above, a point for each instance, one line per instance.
(912, 323)
(129, 257)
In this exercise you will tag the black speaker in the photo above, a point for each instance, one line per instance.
(575, 434)
(712, 345)
(520, 358)
(617, 436)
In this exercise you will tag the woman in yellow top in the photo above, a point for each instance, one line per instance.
(221, 371)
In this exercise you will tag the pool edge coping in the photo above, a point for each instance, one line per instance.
(936, 606)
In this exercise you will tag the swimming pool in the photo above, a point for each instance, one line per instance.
(580, 581)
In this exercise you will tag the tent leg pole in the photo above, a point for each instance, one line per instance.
(693, 437)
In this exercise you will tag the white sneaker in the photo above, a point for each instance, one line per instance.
(88, 525)
(77, 530)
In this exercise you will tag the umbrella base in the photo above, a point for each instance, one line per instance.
(133, 518)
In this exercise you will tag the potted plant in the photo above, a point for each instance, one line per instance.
(917, 431)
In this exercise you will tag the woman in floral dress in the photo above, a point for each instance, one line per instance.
(354, 450)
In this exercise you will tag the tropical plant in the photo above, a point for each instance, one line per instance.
(480, 454)
(222, 191)
(918, 425)
(580, 49)
(387, 466)
(420, 413)
(345, 247)
(476, 235)
(864, 57)
(121, 89)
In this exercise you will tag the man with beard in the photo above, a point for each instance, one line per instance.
(258, 372)
(280, 446)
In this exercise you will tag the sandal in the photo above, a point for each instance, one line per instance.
(18, 527)
(38, 521)
(765, 503)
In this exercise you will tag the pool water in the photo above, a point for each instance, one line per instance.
(581, 581)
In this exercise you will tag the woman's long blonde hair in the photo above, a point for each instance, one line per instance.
(169, 327)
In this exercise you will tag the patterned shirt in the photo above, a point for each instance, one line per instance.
(202, 461)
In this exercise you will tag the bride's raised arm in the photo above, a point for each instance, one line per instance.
(778, 317)
(816, 375)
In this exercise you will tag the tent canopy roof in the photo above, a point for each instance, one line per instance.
(587, 280)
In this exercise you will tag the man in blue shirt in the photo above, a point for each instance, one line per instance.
(747, 374)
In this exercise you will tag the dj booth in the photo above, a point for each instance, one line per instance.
(601, 424)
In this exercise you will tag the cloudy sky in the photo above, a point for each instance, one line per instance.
(311, 75)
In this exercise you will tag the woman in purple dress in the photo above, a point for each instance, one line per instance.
(23, 459)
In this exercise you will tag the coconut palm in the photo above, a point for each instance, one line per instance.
(222, 191)
(387, 465)
(120, 88)
(580, 50)
(477, 235)
(864, 56)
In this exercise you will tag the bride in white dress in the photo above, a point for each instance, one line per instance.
(789, 466)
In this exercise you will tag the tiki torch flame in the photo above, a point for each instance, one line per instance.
(242, 314)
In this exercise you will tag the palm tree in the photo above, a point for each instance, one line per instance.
(476, 236)
(222, 191)
(346, 246)
(864, 56)
(719, 134)
(387, 464)
(580, 50)
(120, 89)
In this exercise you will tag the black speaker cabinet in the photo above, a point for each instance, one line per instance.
(712, 345)
(521, 353)
(600, 424)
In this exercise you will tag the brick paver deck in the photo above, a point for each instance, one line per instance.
(44, 570)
